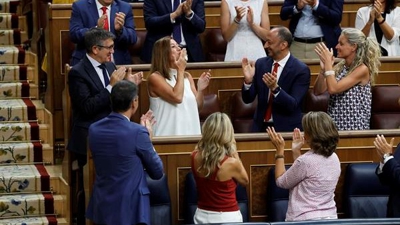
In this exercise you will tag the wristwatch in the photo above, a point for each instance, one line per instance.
(190, 14)
(276, 90)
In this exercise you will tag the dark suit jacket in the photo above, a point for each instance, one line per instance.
(329, 13)
(85, 15)
(158, 24)
(286, 107)
(90, 101)
(391, 176)
(121, 151)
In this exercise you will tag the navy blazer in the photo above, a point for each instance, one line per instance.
(391, 176)
(90, 101)
(329, 14)
(158, 25)
(121, 151)
(286, 107)
(85, 15)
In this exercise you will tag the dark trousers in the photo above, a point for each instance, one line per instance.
(78, 190)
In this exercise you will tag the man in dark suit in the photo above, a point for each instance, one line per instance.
(312, 22)
(121, 151)
(389, 173)
(90, 82)
(279, 81)
(116, 17)
(160, 18)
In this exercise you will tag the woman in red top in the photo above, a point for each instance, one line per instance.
(217, 169)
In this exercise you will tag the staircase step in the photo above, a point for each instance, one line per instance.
(19, 132)
(11, 7)
(25, 132)
(19, 90)
(22, 110)
(20, 205)
(35, 220)
(15, 73)
(13, 37)
(12, 21)
(21, 152)
(23, 178)
(17, 55)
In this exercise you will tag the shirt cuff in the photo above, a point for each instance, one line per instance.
(316, 6)
(295, 11)
(246, 86)
(387, 159)
(109, 87)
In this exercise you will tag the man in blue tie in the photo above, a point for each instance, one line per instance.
(183, 20)
(90, 82)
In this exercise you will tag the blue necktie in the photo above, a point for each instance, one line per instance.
(105, 76)
(176, 32)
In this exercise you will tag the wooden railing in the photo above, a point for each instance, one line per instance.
(226, 77)
(257, 154)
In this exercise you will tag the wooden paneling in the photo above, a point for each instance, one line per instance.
(226, 77)
(257, 154)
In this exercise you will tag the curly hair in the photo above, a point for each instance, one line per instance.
(368, 53)
(217, 141)
(321, 133)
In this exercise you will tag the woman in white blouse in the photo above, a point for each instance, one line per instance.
(381, 20)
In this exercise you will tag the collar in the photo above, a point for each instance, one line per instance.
(283, 61)
(99, 6)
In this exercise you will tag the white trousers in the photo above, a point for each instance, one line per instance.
(205, 216)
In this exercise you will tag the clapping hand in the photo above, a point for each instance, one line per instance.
(250, 15)
(240, 12)
(119, 21)
(147, 120)
(381, 145)
(297, 142)
(187, 7)
(180, 62)
(135, 78)
(204, 80)
(277, 140)
(325, 56)
(248, 70)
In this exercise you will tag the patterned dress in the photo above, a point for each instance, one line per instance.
(351, 109)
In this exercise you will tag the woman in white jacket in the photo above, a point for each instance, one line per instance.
(381, 20)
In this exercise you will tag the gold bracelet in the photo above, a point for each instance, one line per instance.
(279, 156)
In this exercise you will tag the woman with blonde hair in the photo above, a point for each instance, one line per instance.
(349, 82)
(313, 177)
(174, 99)
(217, 169)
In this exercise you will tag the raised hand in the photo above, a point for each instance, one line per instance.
(382, 146)
(298, 140)
(187, 7)
(117, 75)
(248, 70)
(119, 21)
(250, 15)
(180, 62)
(240, 12)
(277, 140)
(204, 80)
(325, 56)
(270, 80)
(101, 21)
(135, 78)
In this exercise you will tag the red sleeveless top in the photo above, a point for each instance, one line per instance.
(214, 195)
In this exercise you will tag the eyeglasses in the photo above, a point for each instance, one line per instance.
(109, 48)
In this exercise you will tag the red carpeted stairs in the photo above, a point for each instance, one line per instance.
(31, 190)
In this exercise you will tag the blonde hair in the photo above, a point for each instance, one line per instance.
(217, 141)
(368, 53)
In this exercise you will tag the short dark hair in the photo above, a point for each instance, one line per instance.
(96, 36)
(122, 95)
(284, 34)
